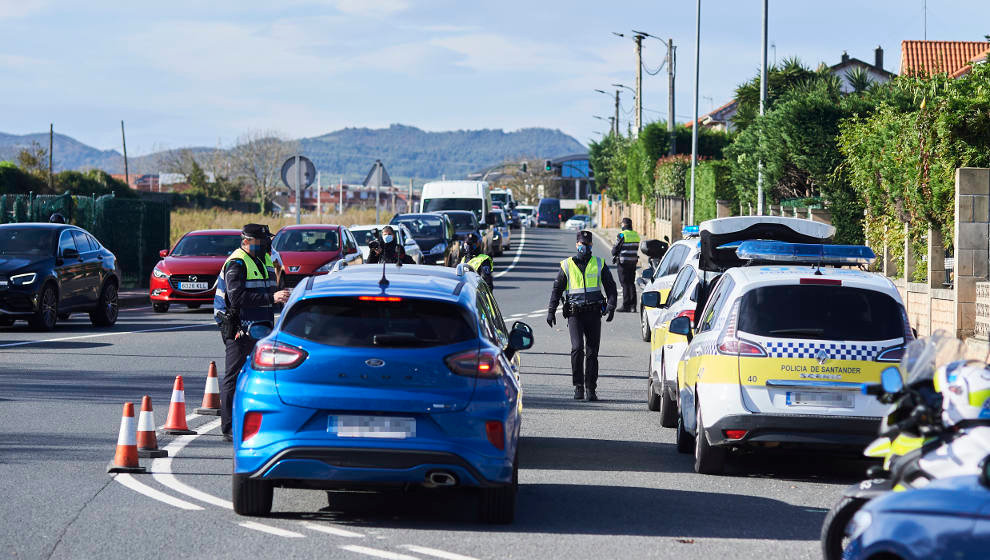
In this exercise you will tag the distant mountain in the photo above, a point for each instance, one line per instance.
(406, 151)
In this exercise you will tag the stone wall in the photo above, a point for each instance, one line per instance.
(665, 219)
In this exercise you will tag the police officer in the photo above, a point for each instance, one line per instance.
(480, 262)
(390, 251)
(245, 294)
(624, 253)
(581, 279)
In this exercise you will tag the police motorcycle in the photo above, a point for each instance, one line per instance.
(932, 429)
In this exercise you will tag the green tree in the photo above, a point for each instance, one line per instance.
(780, 79)
(197, 179)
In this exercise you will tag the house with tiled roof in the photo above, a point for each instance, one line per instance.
(933, 57)
(874, 72)
(720, 118)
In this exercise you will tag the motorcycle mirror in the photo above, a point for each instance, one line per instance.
(891, 380)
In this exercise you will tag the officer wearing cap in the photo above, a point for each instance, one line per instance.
(624, 253)
(481, 263)
(580, 282)
(245, 294)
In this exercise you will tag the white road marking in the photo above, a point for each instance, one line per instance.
(377, 553)
(436, 553)
(519, 249)
(332, 530)
(132, 483)
(271, 530)
(161, 329)
(189, 418)
(161, 469)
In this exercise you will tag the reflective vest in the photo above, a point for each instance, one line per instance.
(630, 244)
(583, 288)
(259, 280)
(479, 261)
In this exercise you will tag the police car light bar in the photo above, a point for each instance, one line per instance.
(691, 231)
(777, 251)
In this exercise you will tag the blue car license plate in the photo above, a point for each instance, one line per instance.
(389, 427)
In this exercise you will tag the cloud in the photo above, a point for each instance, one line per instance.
(371, 8)
(20, 8)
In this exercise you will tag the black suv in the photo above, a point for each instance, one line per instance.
(48, 271)
(434, 233)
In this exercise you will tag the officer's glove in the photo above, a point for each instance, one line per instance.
(610, 310)
(551, 318)
(618, 236)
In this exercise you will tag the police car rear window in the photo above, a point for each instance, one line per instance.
(406, 323)
(821, 313)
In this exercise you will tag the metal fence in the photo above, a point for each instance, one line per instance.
(133, 229)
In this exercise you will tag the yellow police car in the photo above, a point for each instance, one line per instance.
(782, 346)
(660, 277)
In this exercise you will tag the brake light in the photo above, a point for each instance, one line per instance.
(252, 425)
(277, 355)
(821, 281)
(729, 343)
(689, 313)
(893, 354)
(379, 298)
(735, 434)
(496, 434)
(475, 363)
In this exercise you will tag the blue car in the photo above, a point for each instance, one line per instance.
(948, 519)
(383, 376)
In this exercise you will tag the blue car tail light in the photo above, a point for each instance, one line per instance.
(251, 426)
(495, 431)
(475, 363)
(269, 356)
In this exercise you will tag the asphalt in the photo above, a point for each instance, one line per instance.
(597, 480)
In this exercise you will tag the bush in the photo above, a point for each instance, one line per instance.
(14, 180)
(671, 174)
(712, 184)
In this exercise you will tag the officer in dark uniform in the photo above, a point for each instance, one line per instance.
(389, 251)
(624, 254)
(245, 294)
(483, 264)
(580, 281)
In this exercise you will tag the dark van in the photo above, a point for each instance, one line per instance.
(548, 213)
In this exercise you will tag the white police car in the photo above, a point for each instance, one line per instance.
(660, 278)
(782, 346)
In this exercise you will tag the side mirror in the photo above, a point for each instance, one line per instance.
(350, 250)
(891, 381)
(520, 337)
(70, 253)
(163, 253)
(650, 299)
(681, 326)
(653, 248)
(646, 274)
(258, 331)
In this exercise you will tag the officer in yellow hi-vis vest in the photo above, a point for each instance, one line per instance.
(624, 254)
(580, 282)
(478, 261)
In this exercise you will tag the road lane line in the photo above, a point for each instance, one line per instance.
(332, 530)
(160, 329)
(377, 553)
(436, 553)
(522, 243)
(271, 530)
(161, 469)
(132, 483)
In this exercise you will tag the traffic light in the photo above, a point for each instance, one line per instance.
(523, 166)
(548, 165)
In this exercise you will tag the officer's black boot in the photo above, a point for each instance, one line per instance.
(592, 395)
(578, 393)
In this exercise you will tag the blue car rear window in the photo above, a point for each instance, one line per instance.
(406, 323)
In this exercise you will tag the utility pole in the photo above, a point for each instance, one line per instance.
(694, 125)
(670, 98)
(319, 206)
(638, 38)
(409, 205)
(615, 123)
(340, 195)
(123, 140)
(51, 144)
(763, 106)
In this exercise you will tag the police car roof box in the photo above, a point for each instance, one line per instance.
(724, 231)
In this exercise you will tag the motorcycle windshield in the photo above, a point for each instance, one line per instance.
(924, 355)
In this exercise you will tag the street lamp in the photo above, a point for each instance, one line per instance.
(610, 120)
(615, 123)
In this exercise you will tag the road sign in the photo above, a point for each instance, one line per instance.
(304, 175)
(377, 178)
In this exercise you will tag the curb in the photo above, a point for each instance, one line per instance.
(129, 299)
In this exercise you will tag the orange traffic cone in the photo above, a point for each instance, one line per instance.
(147, 441)
(176, 421)
(211, 395)
(125, 460)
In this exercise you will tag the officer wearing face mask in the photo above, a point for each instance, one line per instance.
(580, 282)
(477, 260)
(390, 252)
(245, 294)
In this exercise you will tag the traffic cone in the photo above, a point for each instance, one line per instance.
(176, 421)
(211, 395)
(147, 441)
(125, 460)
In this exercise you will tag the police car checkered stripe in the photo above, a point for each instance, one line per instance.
(835, 350)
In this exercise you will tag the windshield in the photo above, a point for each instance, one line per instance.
(437, 204)
(363, 236)
(461, 221)
(27, 241)
(500, 198)
(499, 219)
(349, 321)
(308, 241)
(524, 211)
(423, 228)
(206, 246)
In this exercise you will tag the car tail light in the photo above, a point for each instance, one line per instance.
(379, 298)
(689, 313)
(729, 343)
(277, 355)
(252, 425)
(892, 354)
(735, 434)
(496, 433)
(475, 363)
(821, 281)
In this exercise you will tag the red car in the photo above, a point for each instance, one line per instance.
(188, 273)
(311, 249)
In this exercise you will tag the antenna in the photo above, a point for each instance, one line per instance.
(384, 281)
(821, 257)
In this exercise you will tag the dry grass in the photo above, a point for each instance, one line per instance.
(188, 220)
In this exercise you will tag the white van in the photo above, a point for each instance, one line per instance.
(458, 195)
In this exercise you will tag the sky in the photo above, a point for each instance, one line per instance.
(184, 73)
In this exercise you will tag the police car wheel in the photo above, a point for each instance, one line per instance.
(644, 329)
(708, 459)
(652, 398)
(251, 496)
(668, 410)
(684, 440)
(160, 307)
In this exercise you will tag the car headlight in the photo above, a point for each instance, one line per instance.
(438, 249)
(23, 279)
(158, 273)
(859, 523)
(326, 267)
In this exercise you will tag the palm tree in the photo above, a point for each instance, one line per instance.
(858, 78)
